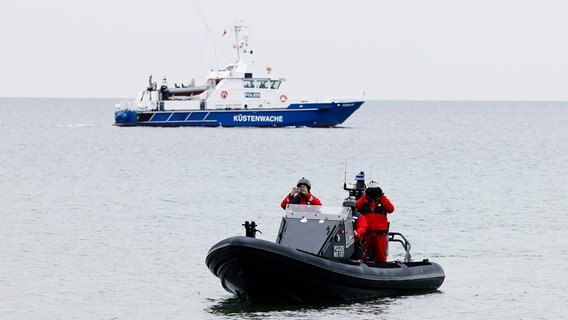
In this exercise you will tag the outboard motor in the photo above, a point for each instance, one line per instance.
(323, 231)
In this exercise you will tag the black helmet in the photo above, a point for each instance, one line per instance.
(305, 182)
(373, 190)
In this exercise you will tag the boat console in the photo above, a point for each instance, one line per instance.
(324, 231)
(320, 230)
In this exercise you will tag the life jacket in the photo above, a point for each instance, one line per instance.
(366, 209)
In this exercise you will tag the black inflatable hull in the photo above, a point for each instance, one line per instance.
(259, 270)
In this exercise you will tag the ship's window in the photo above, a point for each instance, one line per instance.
(248, 83)
(229, 68)
(275, 84)
(263, 84)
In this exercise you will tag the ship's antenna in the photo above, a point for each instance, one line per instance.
(345, 176)
(208, 31)
(241, 38)
(237, 29)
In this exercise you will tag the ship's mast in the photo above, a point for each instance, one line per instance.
(241, 39)
(238, 27)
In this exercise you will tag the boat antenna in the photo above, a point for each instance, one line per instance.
(237, 29)
(241, 39)
(345, 176)
(208, 31)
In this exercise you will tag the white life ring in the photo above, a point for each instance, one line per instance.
(283, 98)
(224, 94)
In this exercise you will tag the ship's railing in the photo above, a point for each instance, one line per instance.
(324, 100)
(138, 105)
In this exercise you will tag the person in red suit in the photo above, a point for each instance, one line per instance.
(301, 194)
(375, 206)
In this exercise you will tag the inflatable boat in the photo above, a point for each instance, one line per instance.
(311, 261)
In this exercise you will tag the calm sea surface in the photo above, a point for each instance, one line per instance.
(101, 222)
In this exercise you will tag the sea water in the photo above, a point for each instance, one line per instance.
(102, 222)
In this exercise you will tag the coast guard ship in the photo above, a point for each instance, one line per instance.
(238, 95)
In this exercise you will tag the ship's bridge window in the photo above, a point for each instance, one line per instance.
(262, 84)
(275, 84)
(248, 83)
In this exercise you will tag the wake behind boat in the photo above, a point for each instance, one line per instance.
(310, 262)
(238, 95)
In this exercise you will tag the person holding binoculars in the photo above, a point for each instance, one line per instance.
(300, 194)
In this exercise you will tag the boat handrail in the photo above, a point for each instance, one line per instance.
(403, 241)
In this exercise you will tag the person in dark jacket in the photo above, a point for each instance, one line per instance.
(359, 229)
(375, 206)
(301, 194)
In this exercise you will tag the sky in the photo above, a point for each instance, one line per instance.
(385, 50)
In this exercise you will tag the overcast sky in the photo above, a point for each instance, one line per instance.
(400, 49)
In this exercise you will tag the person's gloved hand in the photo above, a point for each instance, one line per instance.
(380, 192)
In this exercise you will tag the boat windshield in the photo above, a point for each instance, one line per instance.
(308, 227)
(300, 211)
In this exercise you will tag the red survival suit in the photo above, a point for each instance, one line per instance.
(359, 226)
(376, 237)
(300, 199)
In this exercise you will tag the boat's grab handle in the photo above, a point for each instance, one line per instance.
(394, 237)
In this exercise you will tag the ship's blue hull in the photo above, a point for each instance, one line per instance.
(299, 115)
